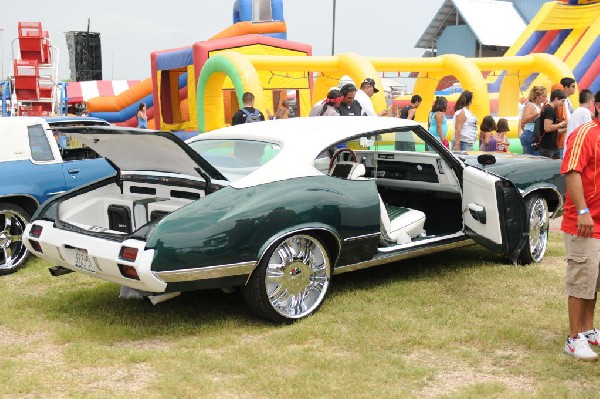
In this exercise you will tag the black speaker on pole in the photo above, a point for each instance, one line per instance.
(85, 56)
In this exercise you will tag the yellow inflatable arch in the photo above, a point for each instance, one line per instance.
(243, 72)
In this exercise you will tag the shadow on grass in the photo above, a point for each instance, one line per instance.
(97, 308)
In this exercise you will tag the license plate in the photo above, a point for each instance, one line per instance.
(83, 261)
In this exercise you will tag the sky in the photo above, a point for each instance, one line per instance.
(131, 30)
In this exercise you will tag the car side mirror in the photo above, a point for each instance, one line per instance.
(486, 159)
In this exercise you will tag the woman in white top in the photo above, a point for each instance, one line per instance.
(465, 123)
(537, 97)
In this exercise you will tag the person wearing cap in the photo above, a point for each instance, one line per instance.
(329, 106)
(363, 96)
(551, 126)
(349, 106)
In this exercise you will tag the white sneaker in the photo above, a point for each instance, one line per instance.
(579, 348)
(592, 336)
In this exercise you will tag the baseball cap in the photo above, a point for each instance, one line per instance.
(372, 83)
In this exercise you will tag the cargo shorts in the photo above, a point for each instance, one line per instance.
(583, 266)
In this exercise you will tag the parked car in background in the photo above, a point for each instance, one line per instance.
(276, 208)
(33, 168)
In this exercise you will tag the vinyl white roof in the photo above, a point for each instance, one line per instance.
(14, 137)
(301, 140)
(493, 22)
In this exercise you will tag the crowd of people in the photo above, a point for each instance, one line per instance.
(543, 127)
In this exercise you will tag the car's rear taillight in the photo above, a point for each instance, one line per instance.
(128, 272)
(36, 246)
(36, 231)
(128, 253)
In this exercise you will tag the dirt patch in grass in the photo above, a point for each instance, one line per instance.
(38, 351)
(9, 337)
(451, 374)
(133, 378)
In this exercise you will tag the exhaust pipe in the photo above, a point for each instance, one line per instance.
(59, 271)
(150, 297)
(156, 299)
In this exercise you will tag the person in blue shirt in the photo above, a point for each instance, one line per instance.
(142, 117)
(438, 123)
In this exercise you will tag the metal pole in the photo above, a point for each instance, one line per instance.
(333, 31)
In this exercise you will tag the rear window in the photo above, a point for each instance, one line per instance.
(236, 158)
(38, 143)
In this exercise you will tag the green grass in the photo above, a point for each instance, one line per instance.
(459, 324)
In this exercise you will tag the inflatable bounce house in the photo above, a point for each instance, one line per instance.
(175, 74)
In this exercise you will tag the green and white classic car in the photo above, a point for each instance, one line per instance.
(278, 207)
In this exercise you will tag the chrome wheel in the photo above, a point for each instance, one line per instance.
(539, 225)
(13, 253)
(297, 276)
(291, 281)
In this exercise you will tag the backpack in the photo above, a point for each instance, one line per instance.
(251, 117)
(538, 130)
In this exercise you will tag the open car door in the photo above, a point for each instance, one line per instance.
(494, 213)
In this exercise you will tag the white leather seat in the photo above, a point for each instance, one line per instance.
(348, 170)
(400, 225)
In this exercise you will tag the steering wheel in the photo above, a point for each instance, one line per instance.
(337, 154)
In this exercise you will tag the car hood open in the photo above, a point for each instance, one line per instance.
(133, 150)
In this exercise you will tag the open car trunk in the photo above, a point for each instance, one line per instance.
(157, 173)
(118, 211)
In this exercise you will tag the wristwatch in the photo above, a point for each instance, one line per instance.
(582, 211)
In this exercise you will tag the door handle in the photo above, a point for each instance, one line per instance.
(73, 172)
(478, 212)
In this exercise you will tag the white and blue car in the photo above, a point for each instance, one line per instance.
(33, 168)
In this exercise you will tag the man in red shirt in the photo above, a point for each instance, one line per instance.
(581, 225)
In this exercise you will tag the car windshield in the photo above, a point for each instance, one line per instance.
(236, 159)
(402, 140)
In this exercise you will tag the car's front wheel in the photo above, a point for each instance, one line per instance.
(291, 281)
(13, 253)
(539, 225)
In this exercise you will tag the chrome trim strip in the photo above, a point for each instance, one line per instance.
(559, 208)
(382, 260)
(361, 237)
(205, 273)
(421, 243)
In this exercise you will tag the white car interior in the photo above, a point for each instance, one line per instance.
(419, 193)
(110, 209)
(398, 225)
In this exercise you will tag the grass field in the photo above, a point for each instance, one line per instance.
(457, 324)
